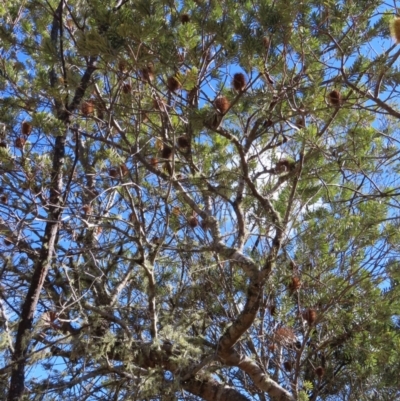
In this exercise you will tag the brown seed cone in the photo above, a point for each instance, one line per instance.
(86, 209)
(176, 211)
(126, 88)
(87, 108)
(122, 65)
(148, 73)
(3, 144)
(222, 104)
(239, 82)
(395, 29)
(113, 173)
(173, 84)
(310, 315)
(183, 142)
(300, 122)
(185, 18)
(294, 285)
(154, 162)
(166, 152)
(20, 142)
(132, 218)
(335, 98)
(265, 42)
(287, 365)
(4, 199)
(283, 165)
(319, 371)
(26, 128)
(193, 222)
(123, 169)
(272, 309)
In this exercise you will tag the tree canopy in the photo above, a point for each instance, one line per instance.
(199, 200)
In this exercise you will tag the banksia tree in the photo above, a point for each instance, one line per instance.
(174, 229)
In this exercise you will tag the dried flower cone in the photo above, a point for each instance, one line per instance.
(287, 366)
(395, 29)
(148, 73)
(283, 165)
(239, 82)
(185, 18)
(294, 285)
(176, 211)
(87, 108)
(126, 88)
(123, 65)
(222, 104)
(26, 128)
(310, 316)
(113, 173)
(20, 142)
(166, 152)
(335, 98)
(183, 142)
(300, 122)
(193, 222)
(173, 84)
(86, 209)
(285, 335)
(123, 169)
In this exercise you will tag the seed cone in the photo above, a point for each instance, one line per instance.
(148, 73)
(294, 285)
(310, 315)
(86, 209)
(193, 222)
(239, 82)
(319, 371)
(26, 128)
(154, 162)
(20, 142)
(113, 173)
(185, 18)
(124, 170)
(335, 98)
(183, 142)
(87, 108)
(222, 104)
(287, 365)
(173, 84)
(126, 88)
(166, 152)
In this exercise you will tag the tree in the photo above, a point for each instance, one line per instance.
(199, 200)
